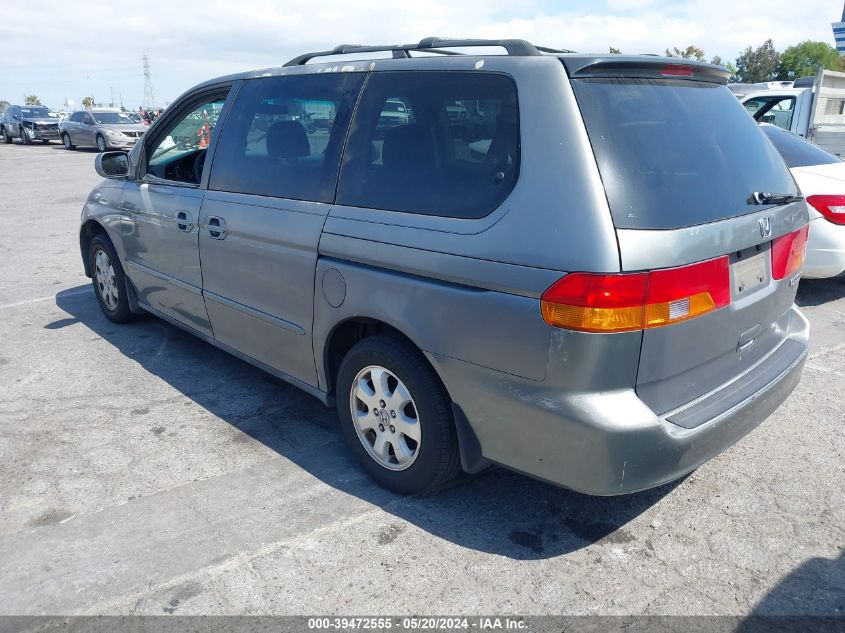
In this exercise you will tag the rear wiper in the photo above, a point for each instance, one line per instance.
(759, 197)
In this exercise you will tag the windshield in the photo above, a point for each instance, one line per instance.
(796, 151)
(112, 118)
(675, 153)
(33, 111)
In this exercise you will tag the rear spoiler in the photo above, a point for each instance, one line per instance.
(642, 66)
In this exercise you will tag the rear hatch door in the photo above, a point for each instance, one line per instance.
(689, 178)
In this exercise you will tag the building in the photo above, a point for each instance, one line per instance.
(839, 33)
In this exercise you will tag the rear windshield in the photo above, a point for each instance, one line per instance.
(675, 153)
(796, 151)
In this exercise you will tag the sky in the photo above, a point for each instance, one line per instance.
(63, 51)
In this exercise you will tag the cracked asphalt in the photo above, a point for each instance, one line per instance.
(145, 472)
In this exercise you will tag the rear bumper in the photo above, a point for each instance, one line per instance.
(610, 443)
(825, 250)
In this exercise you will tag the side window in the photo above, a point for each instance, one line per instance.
(88, 119)
(284, 136)
(178, 152)
(777, 111)
(433, 143)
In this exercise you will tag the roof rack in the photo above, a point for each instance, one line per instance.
(430, 45)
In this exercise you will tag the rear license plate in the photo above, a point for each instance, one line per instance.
(749, 274)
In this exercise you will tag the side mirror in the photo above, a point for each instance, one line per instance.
(112, 165)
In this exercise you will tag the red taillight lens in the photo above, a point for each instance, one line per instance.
(831, 207)
(677, 70)
(619, 303)
(788, 253)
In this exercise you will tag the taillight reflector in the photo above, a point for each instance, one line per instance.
(831, 207)
(788, 252)
(619, 303)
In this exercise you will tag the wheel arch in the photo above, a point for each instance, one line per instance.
(87, 231)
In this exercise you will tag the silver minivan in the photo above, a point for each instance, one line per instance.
(590, 280)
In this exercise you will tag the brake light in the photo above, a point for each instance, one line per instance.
(676, 70)
(621, 303)
(831, 207)
(788, 252)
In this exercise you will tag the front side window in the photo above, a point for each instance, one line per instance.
(284, 136)
(178, 153)
(775, 110)
(433, 143)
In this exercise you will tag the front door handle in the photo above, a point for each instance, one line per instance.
(217, 228)
(183, 221)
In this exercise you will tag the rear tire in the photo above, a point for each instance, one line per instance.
(7, 138)
(66, 141)
(109, 280)
(396, 416)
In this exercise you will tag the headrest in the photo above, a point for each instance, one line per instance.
(287, 139)
(409, 145)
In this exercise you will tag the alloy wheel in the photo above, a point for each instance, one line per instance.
(106, 282)
(385, 418)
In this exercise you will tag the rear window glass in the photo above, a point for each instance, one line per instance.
(433, 143)
(796, 151)
(675, 153)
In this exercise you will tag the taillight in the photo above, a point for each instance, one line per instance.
(831, 207)
(619, 303)
(788, 252)
(677, 70)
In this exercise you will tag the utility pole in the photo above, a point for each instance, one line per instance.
(149, 95)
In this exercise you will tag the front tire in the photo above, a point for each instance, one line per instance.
(25, 140)
(396, 416)
(109, 280)
(102, 146)
(66, 141)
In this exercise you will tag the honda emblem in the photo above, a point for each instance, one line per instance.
(765, 227)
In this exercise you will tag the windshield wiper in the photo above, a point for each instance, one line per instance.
(760, 197)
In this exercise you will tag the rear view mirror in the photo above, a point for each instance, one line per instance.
(112, 164)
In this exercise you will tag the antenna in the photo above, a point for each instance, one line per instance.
(149, 95)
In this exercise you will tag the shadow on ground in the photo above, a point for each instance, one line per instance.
(815, 292)
(497, 511)
(815, 589)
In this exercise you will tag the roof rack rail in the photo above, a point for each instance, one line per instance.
(429, 45)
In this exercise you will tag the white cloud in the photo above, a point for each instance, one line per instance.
(58, 50)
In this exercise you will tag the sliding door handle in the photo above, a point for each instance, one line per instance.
(217, 228)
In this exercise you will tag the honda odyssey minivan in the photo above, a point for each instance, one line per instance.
(592, 284)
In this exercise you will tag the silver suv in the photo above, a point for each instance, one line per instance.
(592, 283)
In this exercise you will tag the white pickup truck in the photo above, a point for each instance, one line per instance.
(814, 107)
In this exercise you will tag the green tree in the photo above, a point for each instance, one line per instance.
(614, 50)
(690, 52)
(806, 58)
(87, 102)
(32, 100)
(758, 64)
(729, 65)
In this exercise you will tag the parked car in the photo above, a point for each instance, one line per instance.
(812, 107)
(103, 128)
(28, 123)
(602, 297)
(821, 177)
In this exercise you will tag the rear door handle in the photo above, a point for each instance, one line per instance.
(217, 228)
(184, 221)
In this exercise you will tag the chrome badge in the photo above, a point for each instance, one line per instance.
(765, 227)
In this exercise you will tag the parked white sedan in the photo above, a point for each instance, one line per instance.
(821, 178)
